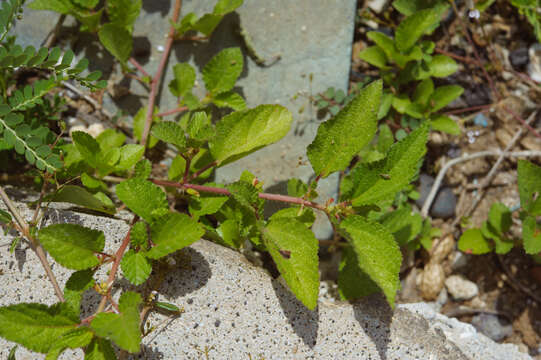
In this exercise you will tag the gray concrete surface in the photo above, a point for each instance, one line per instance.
(237, 311)
(313, 38)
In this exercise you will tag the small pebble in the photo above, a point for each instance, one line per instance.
(160, 48)
(519, 58)
(432, 281)
(492, 326)
(461, 288)
(534, 67)
(444, 204)
(459, 260)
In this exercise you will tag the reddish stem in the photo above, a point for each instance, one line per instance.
(467, 60)
(174, 111)
(522, 121)
(266, 196)
(138, 66)
(155, 83)
(202, 170)
(468, 109)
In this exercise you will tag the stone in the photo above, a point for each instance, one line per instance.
(377, 5)
(444, 203)
(432, 281)
(442, 249)
(534, 67)
(461, 288)
(232, 307)
(313, 38)
(492, 326)
(459, 260)
(519, 58)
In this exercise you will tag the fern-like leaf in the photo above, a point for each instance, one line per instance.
(8, 11)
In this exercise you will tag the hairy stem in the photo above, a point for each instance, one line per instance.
(139, 67)
(158, 76)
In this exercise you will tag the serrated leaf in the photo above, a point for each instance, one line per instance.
(71, 245)
(243, 132)
(343, 136)
(123, 328)
(73, 339)
(414, 26)
(173, 232)
(399, 167)
(229, 99)
(296, 187)
(444, 95)
(129, 155)
(170, 132)
(35, 326)
(403, 223)
(206, 203)
(224, 7)
(136, 267)
(306, 216)
(375, 56)
(353, 283)
(223, 70)
(294, 248)
(378, 255)
(184, 79)
(100, 349)
(445, 124)
(142, 197)
(529, 183)
(442, 66)
(110, 138)
(117, 40)
(230, 233)
(472, 241)
(531, 234)
(124, 12)
(423, 91)
(79, 196)
(139, 124)
(87, 146)
(77, 284)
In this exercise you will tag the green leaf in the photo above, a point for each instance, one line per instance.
(74, 339)
(306, 216)
(531, 233)
(207, 23)
(88, 147)
(385, 105)
(377, 253)
(343, 136)
(444, 95)
(294, 248)
(5, 217)
(229, 99)
(143, 168)
(117, 40)
(79, 196)
(223, 70)
(123, 13)
(296, 187)
(230, 234)
(403, 223)
(170, 132)
(403, 105)
(123, 328)
(423, 91)
(500, 217)
(129, 155)
(374, 56)
(135, 267)
(206, 203)
(142, 197)
(173, 232)
(224, 7)
(445, 124)
(414, 26)
(502, 245)
(110, 138)
(77, 284)
(353, 283)
(472, 241)
(399, 167)
(184, 79)
(385, 139)
(35, 326)
(442, 66)
(139, 124)
(59, 6)
(529, 183)
(243, 132)
(100, 349)
(11, 355)
(71, 245)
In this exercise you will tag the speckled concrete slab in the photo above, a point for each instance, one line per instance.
(313, 38)
(235, 310)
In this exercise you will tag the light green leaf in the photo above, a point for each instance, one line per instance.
(135, 267)
(378, 255)
(531, 234)
(129, 155)
(442, 66)
(500, 217)
(73, 339)
(445, 124)
(374, 56)
(230, 234)
(71, 245)
(529, 183)
(5, 217)
(472, 241)
(123, 13)
(110, 138)
(229, 99)
(77, 284)
(502, 245)
(123, 328)
(35, 326)
(139, 125)
(243, 132)
(306, 216)
(423, 91)
(206, 203)
(223, 7)
(79, 196)
(444, 95)
(376, 182)
(88, 147)
(170, 132)
(403, 223)
(223, 70)
(387, 45)
(385, 105)
(117, 40)
(173, 232)
(100, 349)
(207, 23)
(143, 168)
(343, 136)
(403, 105)
(414, 26)
(385, 139)
(142, 197)
(59, 6)
(353, 283)
(294, 248)
(184, 79)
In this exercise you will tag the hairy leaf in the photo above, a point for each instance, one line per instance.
(170, 132)
(223, 70)
(79, 196)
(414, 26)
(117, 40)
(135, 267)
(444, 95)
(73, 339)
(142, 197)
(129, 155)
(529, 183)
(77, 284)
(531, 233)
(353, 283)
(100, 349)
(124, 12)
(229, 99)
(184, 79)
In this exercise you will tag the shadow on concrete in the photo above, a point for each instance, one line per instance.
(305, 323)
(161, 6)
(273, 206)
(375, 316)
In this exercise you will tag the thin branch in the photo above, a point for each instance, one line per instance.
(51, 38)
(202, 170)
(468, 109)
(139, 67)
(435, 187)
(173, 111)
(158, 76)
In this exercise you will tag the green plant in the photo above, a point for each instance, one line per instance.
(229, 214)
(530, 9)
(407, 65)
(494, 233)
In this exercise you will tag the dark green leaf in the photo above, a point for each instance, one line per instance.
(117, 40)
(79, 196)
(353, 283)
